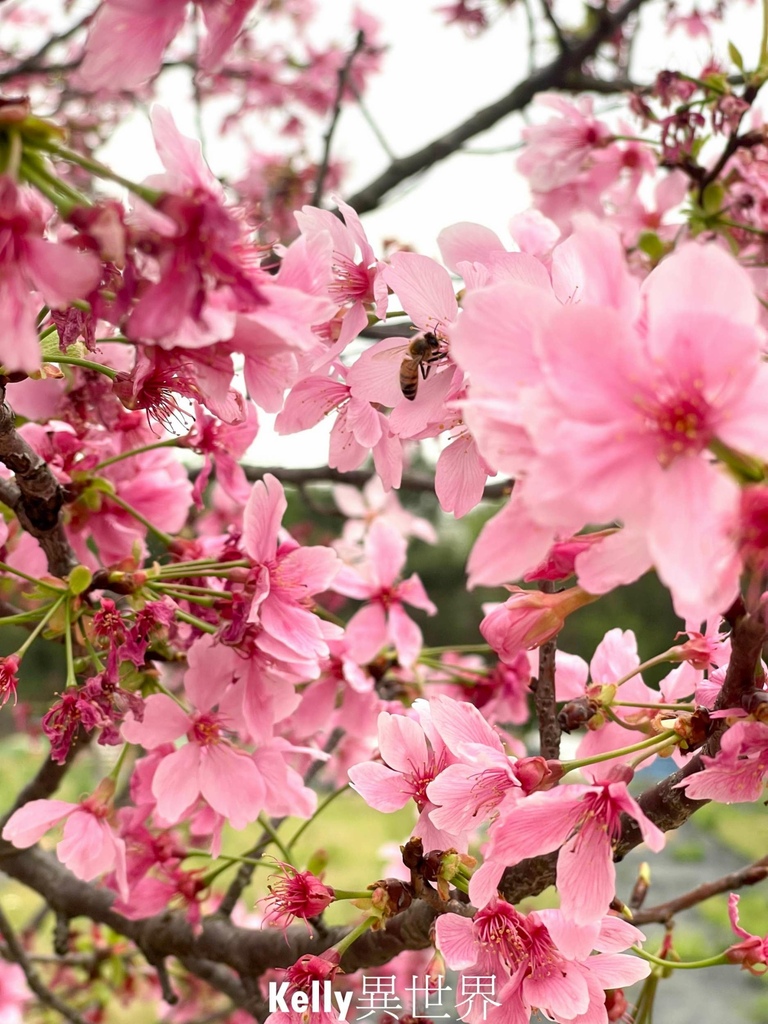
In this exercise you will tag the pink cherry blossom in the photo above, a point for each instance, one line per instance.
(29, 261)
(410, 761)
(471, 789)
(581, 821)
(208, 764)
(15, 994)
(739, 770)
(540, 961)
(89, 847)
(752, 951)
(383, 619)
(285, 579)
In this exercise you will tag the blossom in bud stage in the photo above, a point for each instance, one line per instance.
(752, 951)
(295, 894)
(9, 678)
(529, 618)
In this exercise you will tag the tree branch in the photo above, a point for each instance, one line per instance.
(666, 806)
(358, 478)
(544, 693)
(664, 912)
(38, 498)
(343, 75)
(553, 76)
(43, 993)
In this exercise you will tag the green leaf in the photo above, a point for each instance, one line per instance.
(80, 579)
(735, 55)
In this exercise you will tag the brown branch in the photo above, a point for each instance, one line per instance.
(664, 912)
(544, 693)
(29, 64)
(18, 955)
(341, 83)
(666, 806)
(553, 76)
(38, 498)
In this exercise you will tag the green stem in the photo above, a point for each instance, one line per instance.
(661, 740)
(351, 894)
(193, 620)
(320, 807)
(168, 443)
(114, 774)
(342, 946)
(657, 707)
(21, 619)
(71, 676)
(659, 659)
(458, 649)
(49, 613)
(149, 195)
(52, 188)
(160, 534)
(323, 613)
(87, 364)
(763, 61)
(691, 965)
(266, 824)
(4, 567)
(459, 671)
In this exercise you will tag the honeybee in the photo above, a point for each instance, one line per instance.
(421, 354)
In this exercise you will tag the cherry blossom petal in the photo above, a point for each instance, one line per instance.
(381, 787)
(424, 288)
(163, 722)
(30, 823)
(456, 941)
(460, 476)
(405, 635)
(262, 517)
(586, 877)
(88, 847)
(467, 241)
(176, 783)
(232, 784)
(402, 742)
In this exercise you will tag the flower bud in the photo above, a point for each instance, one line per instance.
(529, 618)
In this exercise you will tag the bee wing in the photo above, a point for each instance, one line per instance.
(375, 377)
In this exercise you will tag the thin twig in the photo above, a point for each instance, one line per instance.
(358, 478)
(551, 76)
(544, 694)
(343, 75)
(43, 993)
(664, 912)
(562, 42)
(29, 64)
(372, 124)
